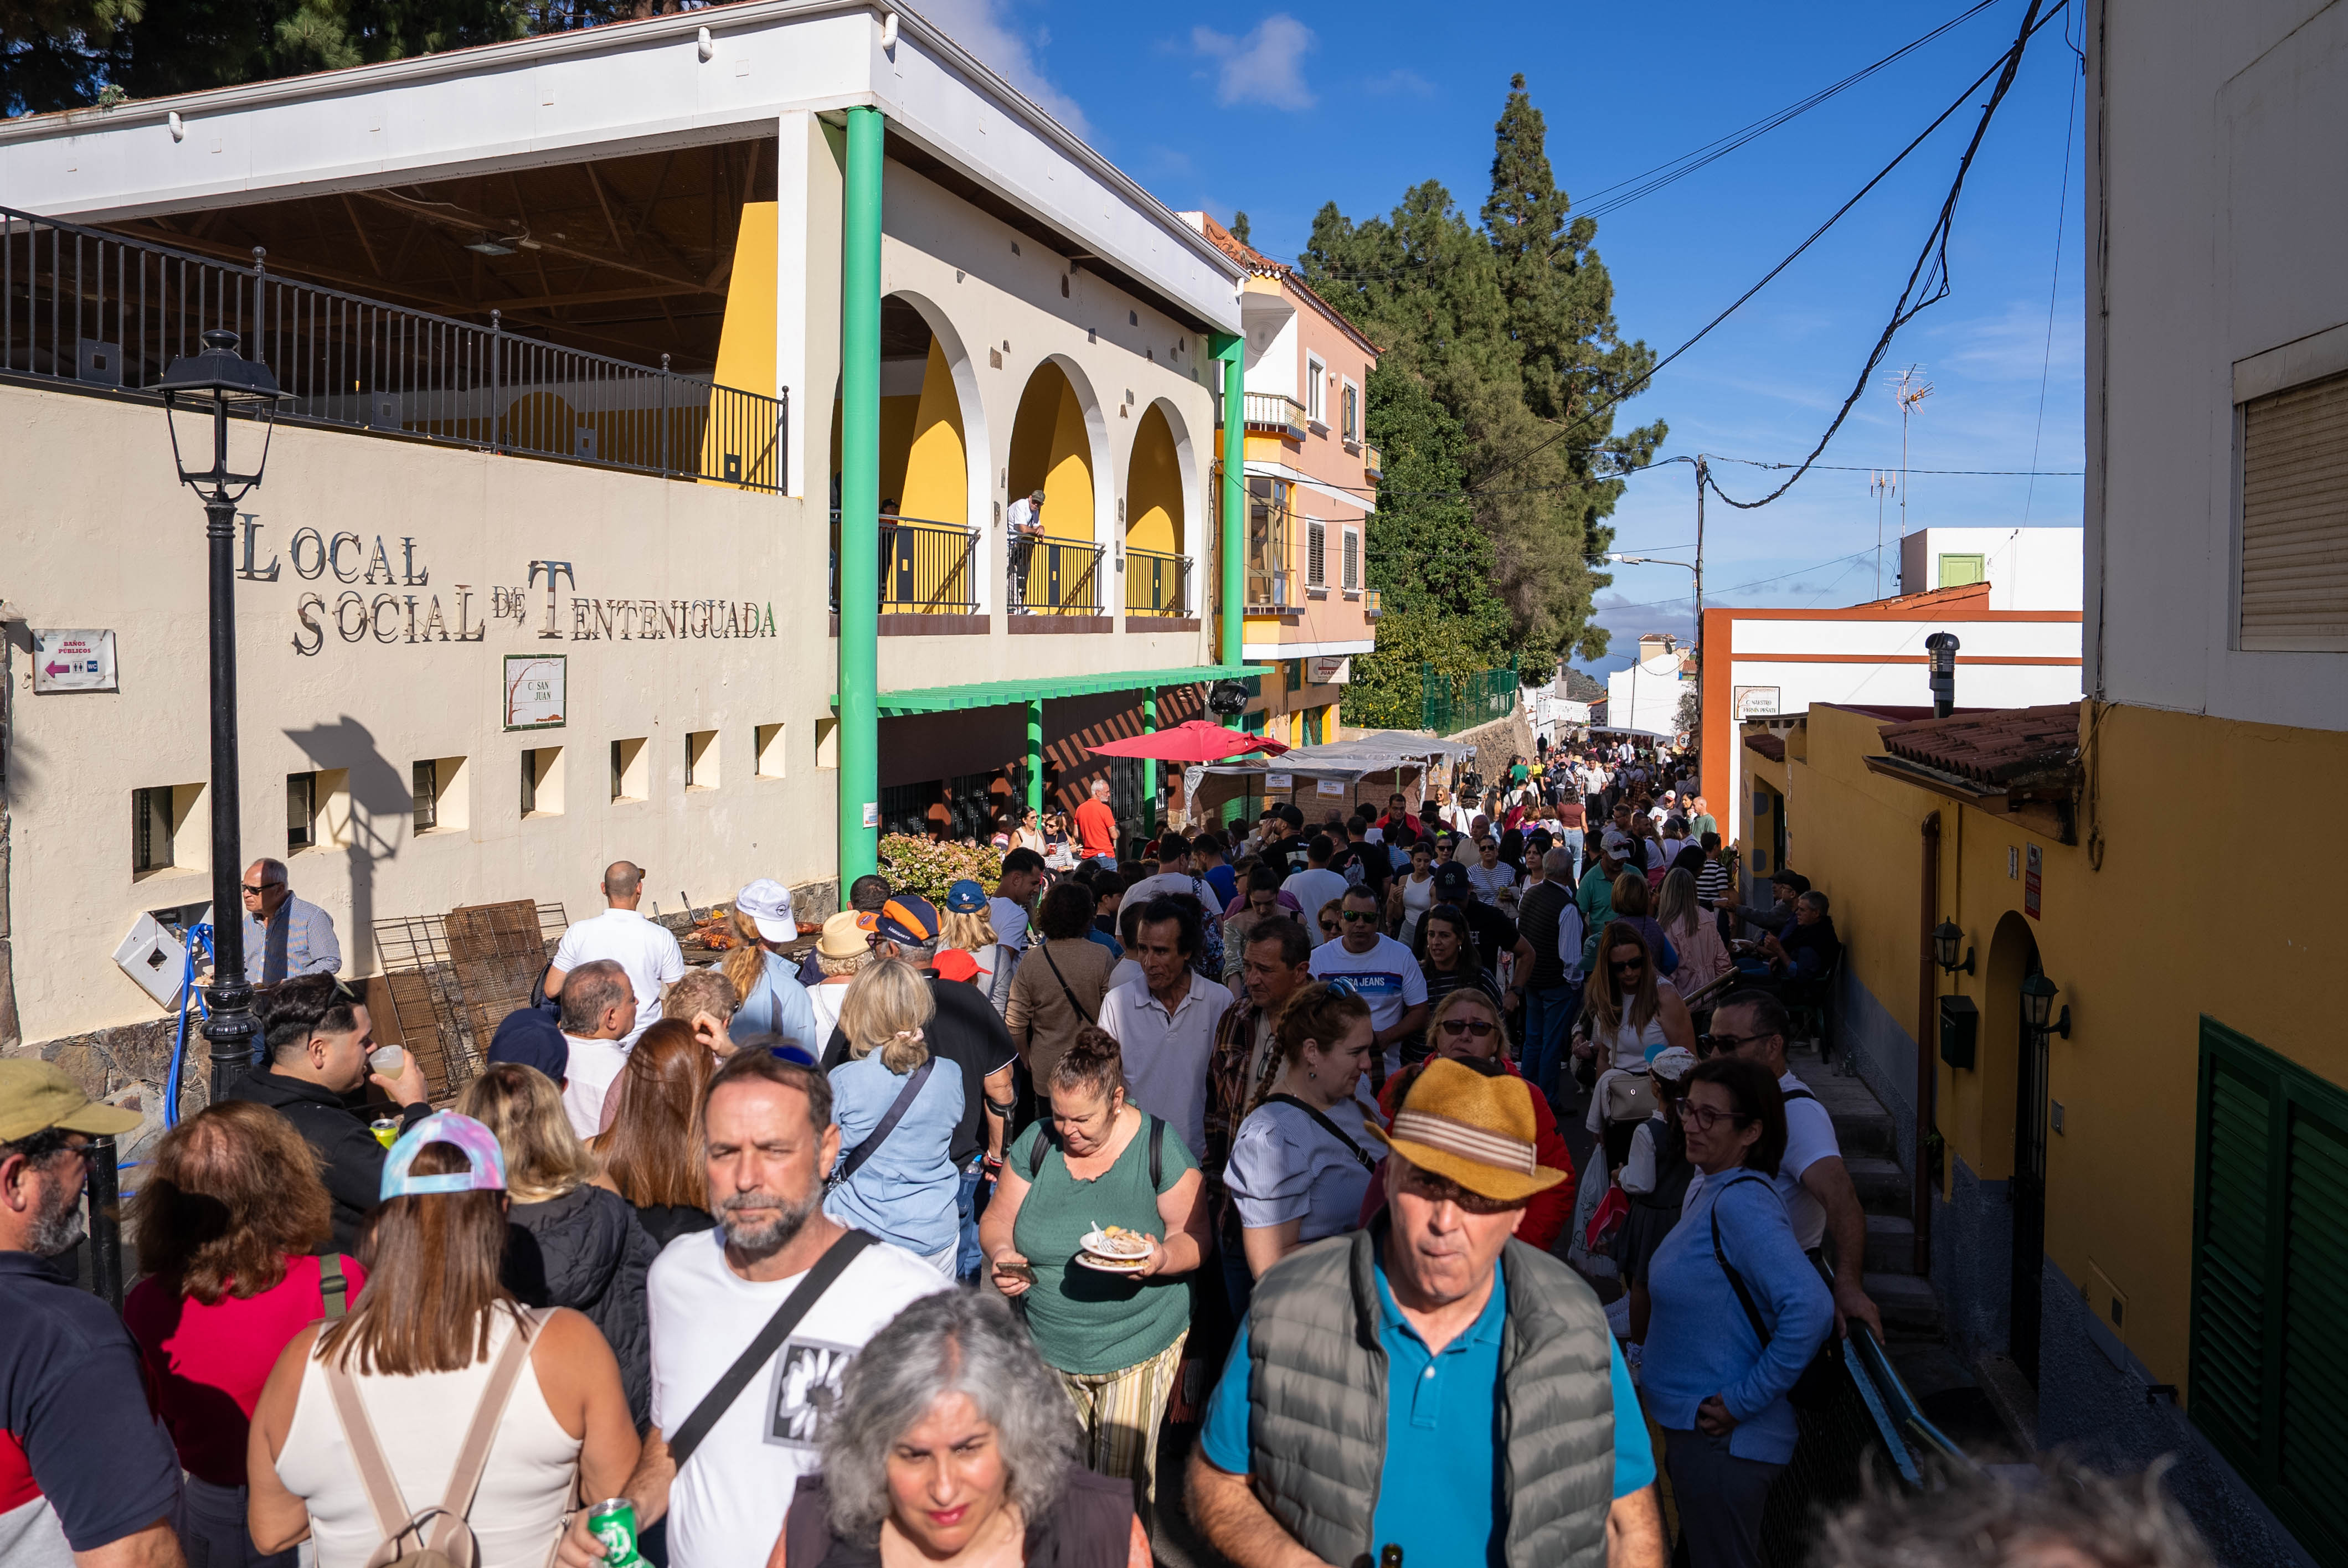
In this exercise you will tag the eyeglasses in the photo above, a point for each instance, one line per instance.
(1710, 1116)
(1456, 1027)
(254, 891)
(1626, 966)
(1359, 917)
(1715, 1043)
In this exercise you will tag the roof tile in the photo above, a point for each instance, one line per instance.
(1995, 749)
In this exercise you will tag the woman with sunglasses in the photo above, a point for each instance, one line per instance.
(1737, 1314)
(1303, 1156)
(1468, 1027)
(1631, 1020)
(1450, 965)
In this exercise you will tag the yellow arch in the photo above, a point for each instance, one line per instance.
(1153, 490)
(937, 462)
(1050, 449)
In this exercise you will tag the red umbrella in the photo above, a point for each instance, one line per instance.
(1191, 741)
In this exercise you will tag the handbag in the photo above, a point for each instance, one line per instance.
(1822, 1381)
(440, 1536)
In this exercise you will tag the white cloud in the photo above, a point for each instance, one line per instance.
(987, 31)
(1263, 67)
(1399, 83)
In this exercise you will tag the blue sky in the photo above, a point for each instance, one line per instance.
(1277, 112)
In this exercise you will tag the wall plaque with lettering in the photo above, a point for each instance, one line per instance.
(534, 690)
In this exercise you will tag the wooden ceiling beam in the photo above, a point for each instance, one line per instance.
(456, 217)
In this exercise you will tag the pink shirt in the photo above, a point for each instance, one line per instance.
(209, 1363)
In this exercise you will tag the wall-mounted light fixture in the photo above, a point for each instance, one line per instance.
(1945, 940)
(2038, 995)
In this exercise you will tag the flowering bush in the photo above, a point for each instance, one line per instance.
(917, 865)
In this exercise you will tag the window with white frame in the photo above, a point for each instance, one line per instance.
(1352, 560)
(1316, 541)
(1350, 414)
(1316, 380)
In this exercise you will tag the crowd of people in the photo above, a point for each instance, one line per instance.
(904, 1249)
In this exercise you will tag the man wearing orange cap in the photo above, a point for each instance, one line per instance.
(1429, 1383)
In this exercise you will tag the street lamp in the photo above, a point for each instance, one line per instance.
(2038, 1007)
(213, 384)
(1945, 938)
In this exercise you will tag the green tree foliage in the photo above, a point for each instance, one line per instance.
(52, 51)
(1499, 339)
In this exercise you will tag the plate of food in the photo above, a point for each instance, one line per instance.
(1114, 1247)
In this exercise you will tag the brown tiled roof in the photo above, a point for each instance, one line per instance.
(1770, 746)
(1998, 749)
(1263, 266)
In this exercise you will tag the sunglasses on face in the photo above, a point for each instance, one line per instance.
(1330, 926)
(252, 890)
(1715, 1043)
(1435, 1189)
(1456, 1027)
(1710, 1116)
(1627, 966)
(1359, 917)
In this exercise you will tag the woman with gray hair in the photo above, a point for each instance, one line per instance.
(955, 1445)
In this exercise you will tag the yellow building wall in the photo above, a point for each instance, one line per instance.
(1153, 490)
(1051, 447)
(897, 420)
(746, 342)
(936, 484)
(2140, 946)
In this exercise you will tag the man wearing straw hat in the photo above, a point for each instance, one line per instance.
(1429, 1383)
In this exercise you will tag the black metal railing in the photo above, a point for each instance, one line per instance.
(1055, 577)
(86, 306)
(926, 567)
(1157, 584)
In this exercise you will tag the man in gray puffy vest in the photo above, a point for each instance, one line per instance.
(1429, 1383)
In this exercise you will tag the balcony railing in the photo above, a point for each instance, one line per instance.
(1371, 608)
(926, 567)
(1054, 577)
(86, 306)
(1373, 465)
(1269, 413)
(1157, 584)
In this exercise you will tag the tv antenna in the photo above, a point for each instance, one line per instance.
(1880, 485)
(1910, 388)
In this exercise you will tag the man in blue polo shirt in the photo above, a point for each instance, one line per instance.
(1428, 1383)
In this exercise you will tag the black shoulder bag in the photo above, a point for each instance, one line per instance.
(887, 1124)
(1326, 1125)
(1822, 1381)
(809, 1291)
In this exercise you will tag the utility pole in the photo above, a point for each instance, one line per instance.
(1879, 485)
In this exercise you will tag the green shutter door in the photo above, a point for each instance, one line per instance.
(2231, 1238)
(2314, 1384)
(1956, 572)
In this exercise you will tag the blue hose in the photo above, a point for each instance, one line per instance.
(199, 937)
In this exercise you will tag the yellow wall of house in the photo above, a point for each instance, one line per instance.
(1051, 447)
(1153, 489)
(897, 420)
(2139, 949)
(746, 342)
(937, 464)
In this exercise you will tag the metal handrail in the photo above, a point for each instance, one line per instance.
(1055, 576)
(1156, 583)
(925, 565)
(96, 309)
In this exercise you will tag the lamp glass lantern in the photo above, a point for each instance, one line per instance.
(203, 394)
(1946, 939)
(2038, 994)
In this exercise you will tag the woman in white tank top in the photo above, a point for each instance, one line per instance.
(419, 1349)
(1631, 1018)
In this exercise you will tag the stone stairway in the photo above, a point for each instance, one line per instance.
(1864, 1128)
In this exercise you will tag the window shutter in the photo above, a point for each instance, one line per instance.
(2230, 1246)
(2294, 583)
(1315, 551)
(2315, 1281)
(1352, 560)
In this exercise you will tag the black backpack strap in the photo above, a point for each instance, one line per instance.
(887, 1124)
(333, 1287)
(1799, 1094)
(1039, 1148)
(804, 1295)
(1327, 1126)
(1157, 1154)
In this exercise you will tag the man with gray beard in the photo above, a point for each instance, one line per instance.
(95, 1479)
(717, 1298)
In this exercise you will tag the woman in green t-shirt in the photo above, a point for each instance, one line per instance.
(1115, 1339)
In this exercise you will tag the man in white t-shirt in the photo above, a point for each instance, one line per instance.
(1173, 875)
(1812, 1180)
(1317, 885)
(769, 1140)
(599, 1010)
(646, 951)
(1378, 969)
(1015, 894)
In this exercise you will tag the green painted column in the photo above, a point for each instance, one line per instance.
(860, 501)
(1035, 755)
(1232, 352)
(1149, 764)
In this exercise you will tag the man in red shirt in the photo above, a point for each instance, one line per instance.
(1096, 827)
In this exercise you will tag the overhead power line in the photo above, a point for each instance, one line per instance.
(2004, 69)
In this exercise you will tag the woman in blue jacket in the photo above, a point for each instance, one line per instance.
(1738, 1313)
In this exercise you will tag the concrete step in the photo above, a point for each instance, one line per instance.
(1882, 1185)
(1907, 1302)
(1890, 1245)
(1862, 1126)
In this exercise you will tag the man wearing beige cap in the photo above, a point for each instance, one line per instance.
(87, 1479)
(1430, 1384)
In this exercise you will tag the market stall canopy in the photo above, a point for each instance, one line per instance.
(1624, 730)
(1191, 741)
(1382, 752)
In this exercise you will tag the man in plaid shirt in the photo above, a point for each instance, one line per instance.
(1276, 961)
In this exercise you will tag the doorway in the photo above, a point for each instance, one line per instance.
(2013, 958)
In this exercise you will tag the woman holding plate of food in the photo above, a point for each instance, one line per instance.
(1096, 1220)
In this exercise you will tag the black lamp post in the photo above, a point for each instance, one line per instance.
(2038, 995)
(1945, 940)
(212, 384)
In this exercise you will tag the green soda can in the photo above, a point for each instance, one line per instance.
(614, 1523)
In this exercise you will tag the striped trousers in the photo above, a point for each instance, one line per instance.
(1120, 1413)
